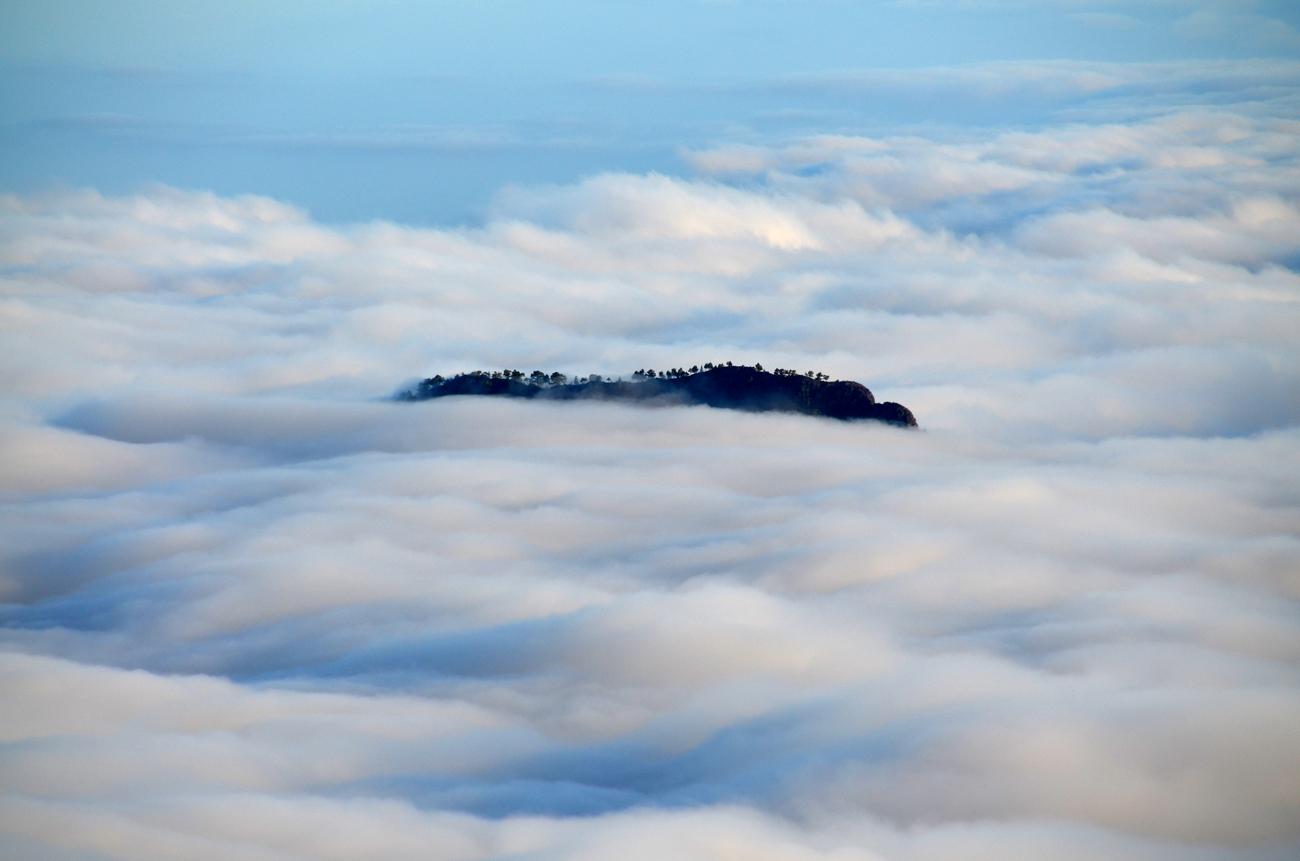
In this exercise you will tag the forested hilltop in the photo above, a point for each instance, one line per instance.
(726, 386)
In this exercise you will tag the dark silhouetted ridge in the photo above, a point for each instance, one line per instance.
(739, 388)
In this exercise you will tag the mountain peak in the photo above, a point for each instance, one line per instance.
(740, 387)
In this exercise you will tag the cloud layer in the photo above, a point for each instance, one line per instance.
(253, 610)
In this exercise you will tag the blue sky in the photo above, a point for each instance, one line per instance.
(421, 111)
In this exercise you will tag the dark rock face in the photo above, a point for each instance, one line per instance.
(738, 388)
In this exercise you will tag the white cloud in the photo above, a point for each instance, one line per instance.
(254, 610)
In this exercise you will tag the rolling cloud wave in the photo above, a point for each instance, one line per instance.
(252, 609)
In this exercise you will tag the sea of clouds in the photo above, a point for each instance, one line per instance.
(253, 609)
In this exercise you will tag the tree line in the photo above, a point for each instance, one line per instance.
(555, 378)
(677, 373)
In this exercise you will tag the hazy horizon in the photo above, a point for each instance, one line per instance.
(421, 112)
